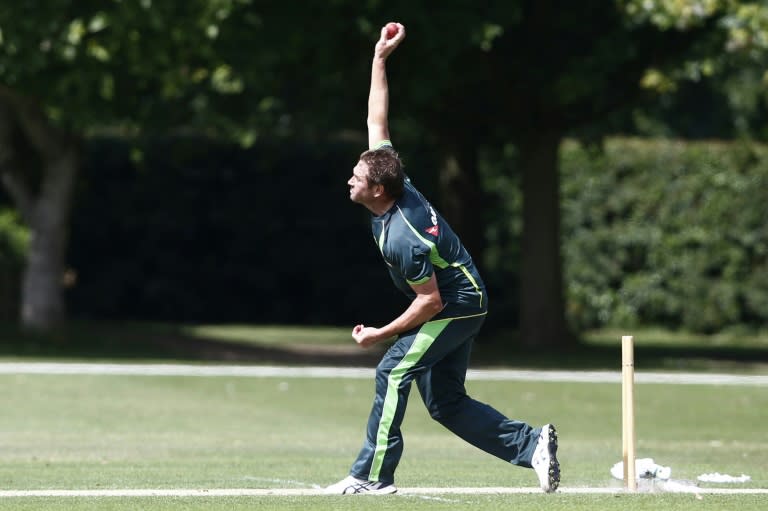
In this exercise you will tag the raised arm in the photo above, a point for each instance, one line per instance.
(378, 98)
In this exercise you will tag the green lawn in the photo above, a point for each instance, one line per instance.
(116, 432)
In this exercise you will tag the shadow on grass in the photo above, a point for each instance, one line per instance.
(166, 342)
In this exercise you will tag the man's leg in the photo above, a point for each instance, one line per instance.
(383, 444)
(442, 389)
(412, 354)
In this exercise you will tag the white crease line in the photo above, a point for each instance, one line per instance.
(289, 492)
(51, 368)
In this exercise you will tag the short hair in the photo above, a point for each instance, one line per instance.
(385, 168)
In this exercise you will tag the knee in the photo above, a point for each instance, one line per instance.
(437, 413)
(445, 410)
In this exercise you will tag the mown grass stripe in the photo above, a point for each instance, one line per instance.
(63, 368)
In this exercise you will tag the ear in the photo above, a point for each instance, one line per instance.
(378, 190)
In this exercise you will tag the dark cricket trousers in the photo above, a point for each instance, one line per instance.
(436, 355)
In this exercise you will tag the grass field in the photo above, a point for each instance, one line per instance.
(180, 432)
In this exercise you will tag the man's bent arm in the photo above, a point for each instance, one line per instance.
(423, 308)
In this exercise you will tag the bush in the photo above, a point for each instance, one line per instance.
(666, 233)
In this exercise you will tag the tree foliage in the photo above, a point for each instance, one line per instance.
(117, 64)
(723, 89)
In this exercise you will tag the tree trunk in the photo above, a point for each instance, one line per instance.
(461, 199)
(38, 166)
(542, 311)
(42, 293)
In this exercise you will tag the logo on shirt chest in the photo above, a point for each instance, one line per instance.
(434, 230)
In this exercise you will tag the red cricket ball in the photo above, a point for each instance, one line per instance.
(391, 30)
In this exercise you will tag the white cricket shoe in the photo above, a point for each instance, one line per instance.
(544, 460)
(354, 486)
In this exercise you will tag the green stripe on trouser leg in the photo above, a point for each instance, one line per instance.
(421, 343)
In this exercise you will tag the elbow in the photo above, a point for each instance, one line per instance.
(429, 306)
(435, 305)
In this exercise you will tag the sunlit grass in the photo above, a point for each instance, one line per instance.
(114, 432)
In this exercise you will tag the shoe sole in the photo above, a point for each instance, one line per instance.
(364, 490)
(553, 474)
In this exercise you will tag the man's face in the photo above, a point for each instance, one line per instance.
(359, 190)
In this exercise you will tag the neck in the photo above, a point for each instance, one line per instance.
(380, 207)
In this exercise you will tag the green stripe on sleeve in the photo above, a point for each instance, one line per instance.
(420, 281)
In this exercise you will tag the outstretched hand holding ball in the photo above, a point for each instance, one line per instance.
(392, 34)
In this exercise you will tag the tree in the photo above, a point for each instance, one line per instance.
(69, 68)
(570, 69)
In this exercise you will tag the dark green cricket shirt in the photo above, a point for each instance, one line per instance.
(416, 242)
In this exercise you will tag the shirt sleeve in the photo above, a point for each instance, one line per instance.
(413, 262)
